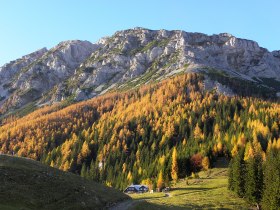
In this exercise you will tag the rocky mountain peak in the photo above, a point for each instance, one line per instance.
(27, 79)
(81, 70)
(36, 54)
(69, 54)
(11, 68)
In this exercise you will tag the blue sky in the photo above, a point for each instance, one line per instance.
(27, 25)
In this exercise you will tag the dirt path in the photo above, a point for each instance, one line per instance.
(125, 205)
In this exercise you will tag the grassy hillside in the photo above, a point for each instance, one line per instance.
(208, 192)
(27, 184)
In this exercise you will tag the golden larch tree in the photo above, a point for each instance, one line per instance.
(174, 167)
(160, 181)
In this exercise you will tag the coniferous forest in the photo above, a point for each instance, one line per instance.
(157, 134)
(255, 175)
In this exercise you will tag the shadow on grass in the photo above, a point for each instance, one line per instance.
(195, 191)
(152, 206)
(221, 162)
(190, 188)
(190, 191)
(145, 203)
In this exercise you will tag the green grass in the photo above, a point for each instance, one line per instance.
(208, 192)
(27, 184)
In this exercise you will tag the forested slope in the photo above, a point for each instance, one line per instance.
(162, 130)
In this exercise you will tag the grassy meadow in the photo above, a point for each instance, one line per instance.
(209, 191)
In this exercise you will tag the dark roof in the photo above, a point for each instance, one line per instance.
(137, 187)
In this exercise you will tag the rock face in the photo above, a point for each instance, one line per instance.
(81, 70)
(29, 78)
(12, 69)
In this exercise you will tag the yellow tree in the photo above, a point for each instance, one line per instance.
(129, 177)
(249, 151)
(205, 163)
(148, 182)
(234, 150)
(174, 167)
(85, 150)
(198, 135)
(160, 181)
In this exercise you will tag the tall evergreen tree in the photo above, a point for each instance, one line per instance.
(254, 180)
(271, 193)
(230, 175)
(93, 171)
(238, 174)
(84, 170)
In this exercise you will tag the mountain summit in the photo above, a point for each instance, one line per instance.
(78, 70)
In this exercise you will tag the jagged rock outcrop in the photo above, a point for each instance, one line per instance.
(81, 70)
(34, 75)
(141, 55)
(10, 70)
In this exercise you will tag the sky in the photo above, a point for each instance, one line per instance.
(28, 25)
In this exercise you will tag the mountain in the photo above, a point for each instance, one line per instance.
(163, 105)
(27, 184)
(79, 70)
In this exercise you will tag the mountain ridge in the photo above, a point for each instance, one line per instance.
(79, 70)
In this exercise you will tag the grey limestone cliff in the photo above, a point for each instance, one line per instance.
(129, 58)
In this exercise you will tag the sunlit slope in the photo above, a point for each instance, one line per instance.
(129, 136)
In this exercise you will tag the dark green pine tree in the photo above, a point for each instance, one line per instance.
(84, 170)
(250, 178)
(271, 192)
(230, 175)
(93, 171)
(254, 180)
(259, 179)
(238, 174)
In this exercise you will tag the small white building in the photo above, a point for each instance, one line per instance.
(136, 189)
